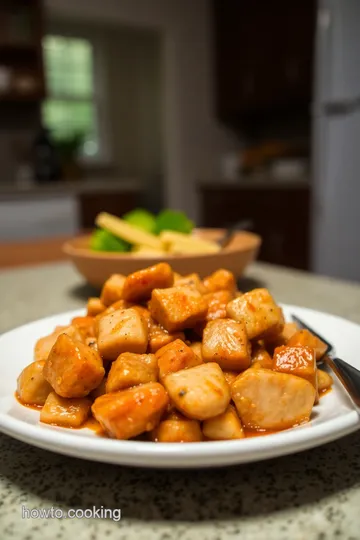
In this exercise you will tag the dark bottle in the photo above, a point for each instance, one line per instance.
(46, 160)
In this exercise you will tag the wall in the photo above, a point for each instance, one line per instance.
(135, 96)
(193, 140)
(129, 76)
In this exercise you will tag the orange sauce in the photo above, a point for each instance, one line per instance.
(249, 433)
(94, 425)
(29, 406)
(324, 392)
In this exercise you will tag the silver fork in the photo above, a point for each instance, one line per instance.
(347, 374)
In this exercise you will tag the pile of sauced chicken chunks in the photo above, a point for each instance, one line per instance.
(177, 358)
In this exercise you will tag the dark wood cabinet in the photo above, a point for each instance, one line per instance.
(21, 61)
(264, 53)
(281, 216)
(116, 203)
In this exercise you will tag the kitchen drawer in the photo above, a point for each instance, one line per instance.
(280, 216)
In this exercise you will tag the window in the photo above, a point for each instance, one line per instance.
(73, 106)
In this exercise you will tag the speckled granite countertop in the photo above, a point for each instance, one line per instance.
(314, 495)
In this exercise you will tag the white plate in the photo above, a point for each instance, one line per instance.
(332, 419)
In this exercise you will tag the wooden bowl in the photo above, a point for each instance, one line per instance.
(96, 267)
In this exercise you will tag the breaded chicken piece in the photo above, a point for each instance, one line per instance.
(174, 357)
(131, 369)
(225, 426)
(159, 337)
(139, 285)
(124, 330)
(192, 281)
(72, 368)
(32, 387)
(44, 345)
(220, 280)
(261, 358)
(324, 381)
(177, 308)
(129, 413)
(112, 289)
(225, 342)
(200, 392)
(95, 306)
(307, 339)
(258, 310)
(217, 302)
(65, 412)
(176, 428)
(300, 361)
(266, 399)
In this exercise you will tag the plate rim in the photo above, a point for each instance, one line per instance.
(177, 455)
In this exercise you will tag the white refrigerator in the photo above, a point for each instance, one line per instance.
(336, 141)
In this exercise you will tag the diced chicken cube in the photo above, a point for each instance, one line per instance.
(177, 429)
(307, 339)
(174, 357)
(177, 308)
(145, 314)
(85, 325)
(91, 342)
(72, 368)
(200, 392)
(230, 376)
(261, 357)
(159, 337)
(99, 390)
(217, 302)
(192, 281)
(131, 369)
(276, 338)
(225, 342)
(268, 400)
(65, 412)
(119, 304)
(112, 289)
(288, 331)
(224, 427)
(44, 345)
(129, 413)
(258, 310)
(324, 381)
(298, 361)
(196, 346)
(124, 330)
(32, 387)
(95, 306)
(139, 285)
(220, 280)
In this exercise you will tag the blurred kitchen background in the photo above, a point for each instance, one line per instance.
(226, 109)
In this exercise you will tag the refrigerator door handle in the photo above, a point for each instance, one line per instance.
(336, 108)
(341, 107)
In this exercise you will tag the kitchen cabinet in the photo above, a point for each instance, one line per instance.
(116, 203)
(60, 210)
(21, 62)
(264, 55)
(280, 215)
